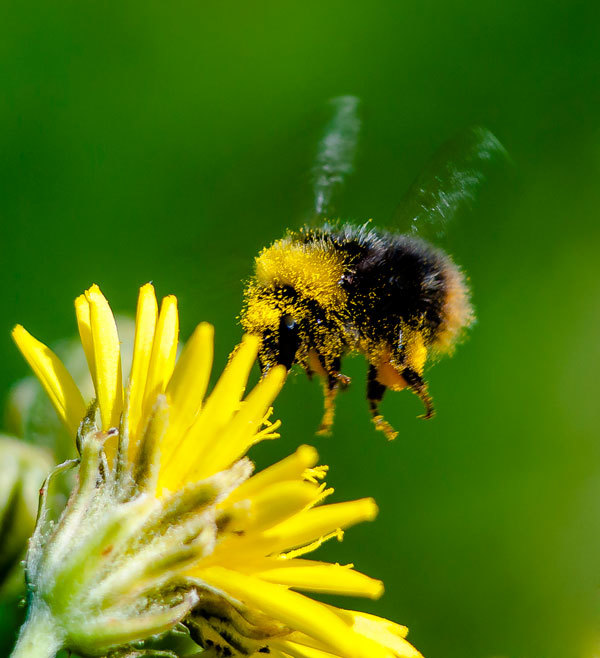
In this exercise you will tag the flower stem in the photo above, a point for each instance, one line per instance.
(38, 637)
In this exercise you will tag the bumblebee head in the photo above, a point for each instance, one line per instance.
(295, 285)
(278, 321)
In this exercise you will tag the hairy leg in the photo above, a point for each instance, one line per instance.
(375, 393)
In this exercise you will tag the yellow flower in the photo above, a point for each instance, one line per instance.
(168, 523)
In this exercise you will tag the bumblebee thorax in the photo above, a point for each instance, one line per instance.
(314, 270)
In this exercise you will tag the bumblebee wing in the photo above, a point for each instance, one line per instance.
(449, 183)
(335, 155)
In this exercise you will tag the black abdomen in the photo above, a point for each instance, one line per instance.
(392, 280)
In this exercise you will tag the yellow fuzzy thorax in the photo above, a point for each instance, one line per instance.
(312, 269)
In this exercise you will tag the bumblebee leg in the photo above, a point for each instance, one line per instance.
(375, 393)
(341, 381)
(419, 386)
(329, 392)
(333, 381)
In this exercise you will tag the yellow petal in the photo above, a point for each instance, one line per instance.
(107, 358)
(380, 630)
(243, 427)
(228, 391)
(55, 379)
(290, 468)
(299, 650)
(82, 312)
(307, 526)
(322, 577)
(277, 503)
(307, 529)
(186, 389)
(213, 418)
(145, 324)
(164, 353)
(363, 620)
(376, 629)
(294, 610)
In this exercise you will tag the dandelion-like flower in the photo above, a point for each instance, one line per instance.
(168, 523)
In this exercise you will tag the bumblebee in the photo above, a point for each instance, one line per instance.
(318, 294)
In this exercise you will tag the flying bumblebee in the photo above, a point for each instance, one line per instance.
(318, 294)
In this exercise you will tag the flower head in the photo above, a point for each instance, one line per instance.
(168, 523)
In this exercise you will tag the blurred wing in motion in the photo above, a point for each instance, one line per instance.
(335, 155)
(449, 183)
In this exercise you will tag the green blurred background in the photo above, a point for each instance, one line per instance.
(171, 141)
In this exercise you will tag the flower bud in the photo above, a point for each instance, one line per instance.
(111, 570)
(23, 468)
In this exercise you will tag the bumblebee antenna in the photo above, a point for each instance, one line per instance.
(335, 155)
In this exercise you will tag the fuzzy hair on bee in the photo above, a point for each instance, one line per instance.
(320, 294)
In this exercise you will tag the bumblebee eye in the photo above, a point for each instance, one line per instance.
(289, 341)
(288, 321)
